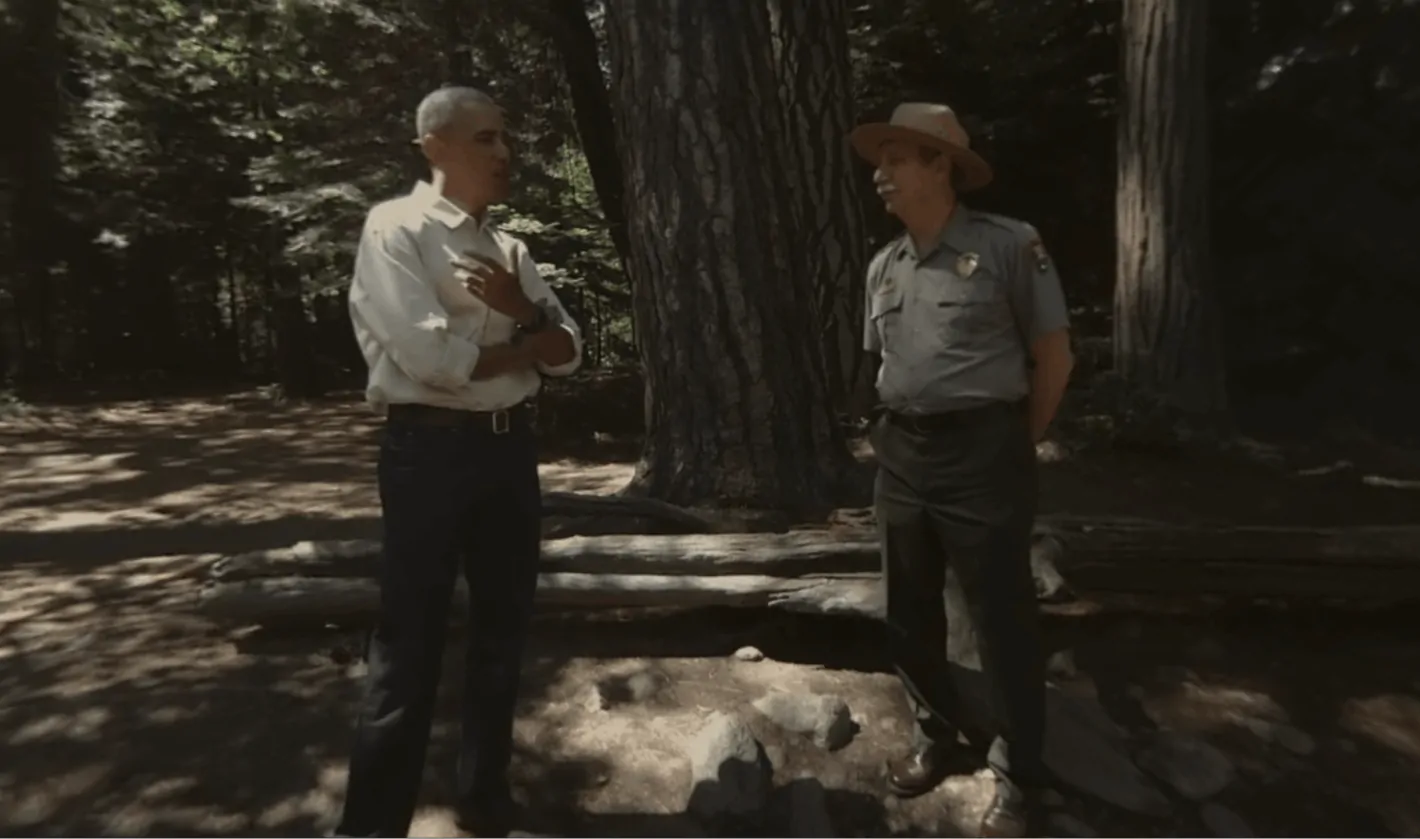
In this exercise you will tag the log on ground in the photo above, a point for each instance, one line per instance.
(282, 600)
(577, 504)
(1366, 563)
(1116, 557)
(775, 554)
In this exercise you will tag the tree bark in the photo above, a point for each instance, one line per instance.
(816, 92)
(736, 403)
(1167, 341)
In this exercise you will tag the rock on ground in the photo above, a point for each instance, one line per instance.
(1189, 765)
(1087, 751)
(826, 719)
(1292, 739)
(1064, 824)
(730, 775)
(637, 687)
(1224, 822)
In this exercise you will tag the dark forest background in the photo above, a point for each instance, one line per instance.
(183, 181)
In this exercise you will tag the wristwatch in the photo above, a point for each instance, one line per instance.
(539, 322)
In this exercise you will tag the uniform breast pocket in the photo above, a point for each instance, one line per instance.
(885, 311)
(972, 308)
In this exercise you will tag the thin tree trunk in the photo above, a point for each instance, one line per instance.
(816, 91)
(737, 406)
(34, 225)
(566, 22)
(1166, 334)
(458, 46)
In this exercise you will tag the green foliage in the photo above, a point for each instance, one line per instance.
(218, 158)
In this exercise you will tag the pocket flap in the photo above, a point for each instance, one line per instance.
(884, 302)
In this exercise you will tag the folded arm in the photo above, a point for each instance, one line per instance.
(558, 349)
(398, 307)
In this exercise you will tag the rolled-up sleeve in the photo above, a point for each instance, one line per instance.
(392, 299)
(538, 291)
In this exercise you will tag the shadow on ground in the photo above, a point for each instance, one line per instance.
(152, 723)
(94, 484)
(122, 713)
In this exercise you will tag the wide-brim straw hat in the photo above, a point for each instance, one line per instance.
(925, 124)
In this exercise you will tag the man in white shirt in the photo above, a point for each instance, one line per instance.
(457, 328)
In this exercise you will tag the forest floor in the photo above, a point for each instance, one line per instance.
(124, 713)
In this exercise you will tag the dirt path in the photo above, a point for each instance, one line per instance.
(123, 714)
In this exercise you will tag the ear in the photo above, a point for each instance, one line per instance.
(430, 145)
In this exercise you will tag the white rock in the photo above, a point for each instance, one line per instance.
(827, 719)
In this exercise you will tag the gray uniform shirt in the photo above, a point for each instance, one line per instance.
(954, 324)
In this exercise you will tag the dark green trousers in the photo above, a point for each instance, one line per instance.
(955, 500)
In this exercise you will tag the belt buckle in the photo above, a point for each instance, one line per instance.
(502, 421)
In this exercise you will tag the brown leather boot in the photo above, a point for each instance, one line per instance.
(1013, 813)
(920, 771)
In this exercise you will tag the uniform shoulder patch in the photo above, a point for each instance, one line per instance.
(1035, 247)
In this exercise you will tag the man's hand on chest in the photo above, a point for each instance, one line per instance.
(498, 288)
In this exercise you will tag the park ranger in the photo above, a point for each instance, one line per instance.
(968, 316)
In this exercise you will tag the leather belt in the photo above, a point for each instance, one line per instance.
(497, 422)
(947, 420)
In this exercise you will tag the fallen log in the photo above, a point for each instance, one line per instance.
(282, 600)
(577, 504)
(791, 554)
(1365, 563)
(1368, 563)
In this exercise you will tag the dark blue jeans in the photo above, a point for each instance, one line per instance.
(452, 497)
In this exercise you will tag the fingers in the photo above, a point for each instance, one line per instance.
(478, 269)
(472, 283)
(477, 262)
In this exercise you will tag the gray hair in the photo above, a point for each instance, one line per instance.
(448, 106)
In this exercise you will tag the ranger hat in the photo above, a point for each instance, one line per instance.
(925, 124)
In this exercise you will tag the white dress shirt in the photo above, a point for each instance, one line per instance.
(418, 327)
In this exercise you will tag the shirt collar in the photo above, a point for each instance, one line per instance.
(441, 208)
(954, 235)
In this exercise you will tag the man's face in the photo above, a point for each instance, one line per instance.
(905, 180)
(473, 152)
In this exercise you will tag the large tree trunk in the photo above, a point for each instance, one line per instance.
(816, 90)
(1166, 336)
(736, 403)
